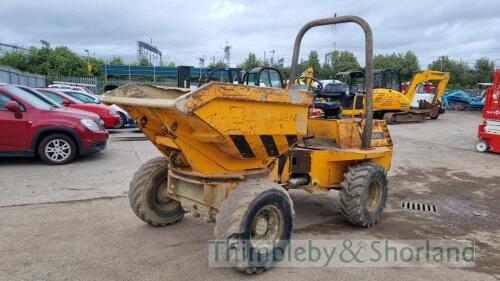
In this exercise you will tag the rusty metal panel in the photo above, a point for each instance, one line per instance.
(301, 161)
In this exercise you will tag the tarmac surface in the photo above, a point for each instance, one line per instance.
(74, 222)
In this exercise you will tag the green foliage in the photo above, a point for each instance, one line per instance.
(461, 74)
(219, 64)
(15, 60)
(407, 63)
(483, 69)
(59, 61)
(144, 62)
(250, 62)
(96, 66)
(343, 61)
(116, 61)
(313, 61)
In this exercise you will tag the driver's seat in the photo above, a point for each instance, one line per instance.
(332, 110)
(333, 95)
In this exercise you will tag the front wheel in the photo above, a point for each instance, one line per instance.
(363, 194)
(258, 218)
(482, 146)
(122, 121)
(147, 199)
(57, 149)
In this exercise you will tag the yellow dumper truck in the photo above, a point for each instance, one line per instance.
(230, 152)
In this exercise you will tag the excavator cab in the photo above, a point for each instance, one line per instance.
(387, 79)
(355, 83)
(264, 77)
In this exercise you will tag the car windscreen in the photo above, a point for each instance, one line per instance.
(28, 97)
(52, 96)
(81, 97)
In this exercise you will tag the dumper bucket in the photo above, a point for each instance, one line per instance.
(219, 128)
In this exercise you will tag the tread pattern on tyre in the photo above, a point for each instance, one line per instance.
(352, 193)
(234, 207)
(139, 181)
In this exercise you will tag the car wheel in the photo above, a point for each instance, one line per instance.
(57, 149)
(121, 122)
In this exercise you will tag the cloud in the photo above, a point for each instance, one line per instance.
(225, 9)
(186, 30)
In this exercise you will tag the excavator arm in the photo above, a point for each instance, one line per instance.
(424, 76)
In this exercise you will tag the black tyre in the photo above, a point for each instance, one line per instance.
(364, 194)
(146, 199)
(121, 122)
(57, 149)
(258, 217)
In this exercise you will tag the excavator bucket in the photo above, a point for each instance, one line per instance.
(220, 128)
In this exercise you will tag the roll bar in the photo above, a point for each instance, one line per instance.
(367, 130)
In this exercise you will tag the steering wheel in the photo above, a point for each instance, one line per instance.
(306, 79)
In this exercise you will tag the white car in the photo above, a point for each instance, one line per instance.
(125, 117)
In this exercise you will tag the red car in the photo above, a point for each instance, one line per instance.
(30, 125)
(77, 100)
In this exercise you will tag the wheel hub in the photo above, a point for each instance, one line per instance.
(261, 226)
(57, 150)
(374, 195)
(266, 227)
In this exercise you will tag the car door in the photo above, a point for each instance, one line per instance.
(13, 131)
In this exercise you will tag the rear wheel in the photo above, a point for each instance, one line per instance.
(257, 218)
(57, 149)
(364, 194)
(147, 200)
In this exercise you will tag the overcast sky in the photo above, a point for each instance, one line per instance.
(186, 30)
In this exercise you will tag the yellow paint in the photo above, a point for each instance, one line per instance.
(200, 125)
(393, 100)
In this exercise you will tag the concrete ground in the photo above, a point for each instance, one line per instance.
(74, 222)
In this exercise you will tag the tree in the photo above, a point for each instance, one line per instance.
(116, 61)
(218, 64)
(250, 62)
(343, 61)
(313, 61)
(483, 69)
(64, 62)
(407, 63)
(15, 59)
(144, 62)
(460, 73)
(96, 66)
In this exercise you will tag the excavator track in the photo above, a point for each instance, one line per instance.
(412, 116)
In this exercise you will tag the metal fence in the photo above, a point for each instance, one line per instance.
(13, 76)
(89, 82)
(101, 84)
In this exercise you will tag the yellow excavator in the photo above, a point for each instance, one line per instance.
(390, 102)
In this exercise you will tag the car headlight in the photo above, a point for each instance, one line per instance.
(112, 113)
(90, 124)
